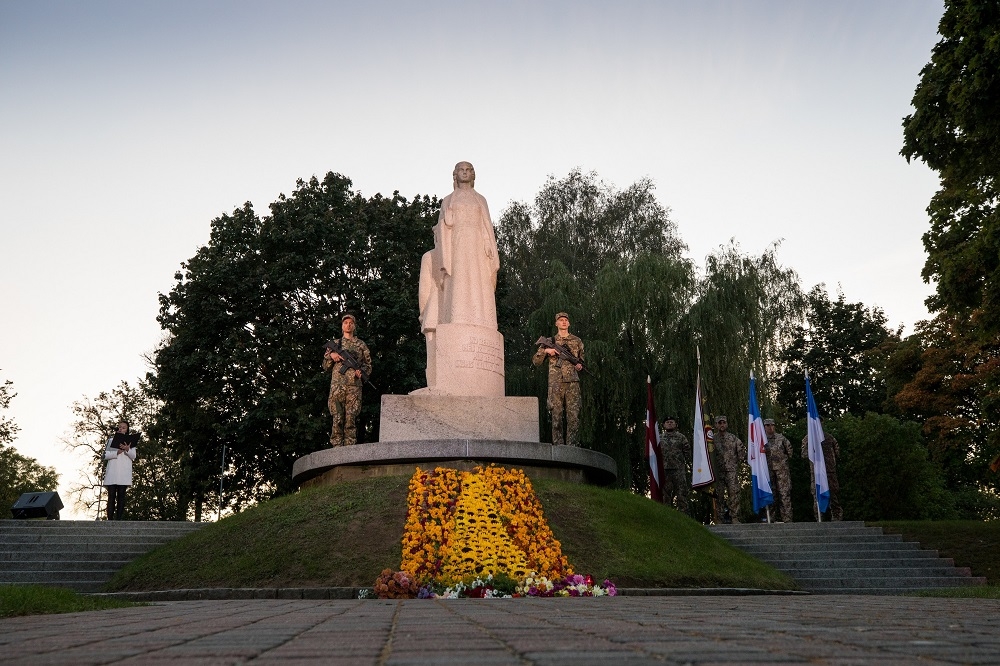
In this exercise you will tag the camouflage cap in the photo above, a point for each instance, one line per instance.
(768, 421)
(561, 314)
(348, 315)
(720, 419)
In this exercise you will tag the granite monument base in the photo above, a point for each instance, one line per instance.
(343, 463)
(429, 416)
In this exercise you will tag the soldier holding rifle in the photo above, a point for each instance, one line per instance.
(565, 355)
(351, 363)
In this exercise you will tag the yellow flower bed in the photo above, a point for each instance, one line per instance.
(489, 521)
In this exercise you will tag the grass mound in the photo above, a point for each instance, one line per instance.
(344, 535)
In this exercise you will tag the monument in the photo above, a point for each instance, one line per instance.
(463, 416)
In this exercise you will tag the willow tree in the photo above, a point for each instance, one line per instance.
(613, 260)
(743, 316)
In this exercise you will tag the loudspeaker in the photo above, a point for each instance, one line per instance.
(37, 505)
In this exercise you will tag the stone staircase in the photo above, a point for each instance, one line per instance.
(846, 557)
(79, 554)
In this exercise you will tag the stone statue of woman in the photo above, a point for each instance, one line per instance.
(458, 277)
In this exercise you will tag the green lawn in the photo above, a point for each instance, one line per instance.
(35, 599)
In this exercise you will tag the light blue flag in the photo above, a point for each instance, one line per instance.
(815, 444)
(760, 478)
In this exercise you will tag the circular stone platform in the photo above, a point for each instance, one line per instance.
(343, 463)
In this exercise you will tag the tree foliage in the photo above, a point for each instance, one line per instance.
(845, 347)
(155, 491)
(613, 260)
(247, 320)
(19, 474)
(955, 130)
(885, 473)
(949, 376)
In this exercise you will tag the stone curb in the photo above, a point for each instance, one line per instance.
(229, 593)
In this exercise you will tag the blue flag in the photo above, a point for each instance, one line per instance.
(815, 443)
(756, 440)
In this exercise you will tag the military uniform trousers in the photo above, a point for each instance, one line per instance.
(781, 486)
(676, 484)
(728, 480)
(345, 405)
(564, 399)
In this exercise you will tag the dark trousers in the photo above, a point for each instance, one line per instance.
(116, 502)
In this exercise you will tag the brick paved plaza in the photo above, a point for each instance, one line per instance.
(606, 631)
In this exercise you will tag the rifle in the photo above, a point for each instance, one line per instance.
(348, 360)
(561, 352)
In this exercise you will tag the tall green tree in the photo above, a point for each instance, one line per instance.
(955, 130)
(611, 259)
(845, 347)
(614, 261)
(247, 320)
(19, 474)
(743, 316)
(947, 373)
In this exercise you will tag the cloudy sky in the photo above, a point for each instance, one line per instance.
(126, 127)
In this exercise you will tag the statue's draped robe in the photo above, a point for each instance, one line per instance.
(468, 262)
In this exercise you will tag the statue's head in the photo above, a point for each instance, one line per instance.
(464, 173)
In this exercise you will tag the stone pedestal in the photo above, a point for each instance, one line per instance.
(426, 415)
(465, 360)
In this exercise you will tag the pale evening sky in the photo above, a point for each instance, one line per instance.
(126, 127)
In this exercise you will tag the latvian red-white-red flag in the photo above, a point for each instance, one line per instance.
(653, 456)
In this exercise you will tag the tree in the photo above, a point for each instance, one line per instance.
(155, 491)
(844, 346)
(613, 260)
(955, 130)
(19, 474)
(947, 373)
(247, 320)
(885, 473)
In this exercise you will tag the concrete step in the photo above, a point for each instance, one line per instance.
(841, 558)
(877, 572)
(81, 555)
(64, 565)
(838, 585)
(791, 563)
(831, 547)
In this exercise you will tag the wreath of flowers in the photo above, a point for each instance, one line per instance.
(480, 534)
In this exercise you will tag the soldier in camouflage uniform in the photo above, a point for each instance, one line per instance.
(345, 388)
(831, 449)
(779, 452)
(564, 383)
(676, 451)
(731, 452)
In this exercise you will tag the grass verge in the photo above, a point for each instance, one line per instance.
(344, 535)
(35, 600)
(969, 592)
(971, 543)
